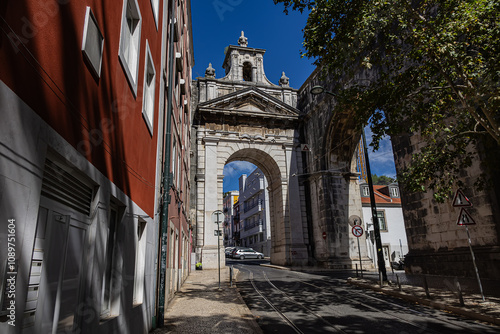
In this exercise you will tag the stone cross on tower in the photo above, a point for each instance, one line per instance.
(243, 41)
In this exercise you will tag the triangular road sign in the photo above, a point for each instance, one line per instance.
(304, 148)
(460, 200)
(464, 218)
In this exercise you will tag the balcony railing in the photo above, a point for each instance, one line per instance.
(249, 226)
(250, 206)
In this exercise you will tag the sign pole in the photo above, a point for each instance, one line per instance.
(218, 246)
(360, 263)
(474, 262)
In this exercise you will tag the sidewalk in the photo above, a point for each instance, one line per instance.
(200, 307)
(441, 293)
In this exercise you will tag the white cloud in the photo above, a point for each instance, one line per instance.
(382, 160)
(236, 168)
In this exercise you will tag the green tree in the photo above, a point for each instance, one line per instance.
(382, 179)
(414, 66)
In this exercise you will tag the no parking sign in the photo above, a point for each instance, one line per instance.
(357, 230)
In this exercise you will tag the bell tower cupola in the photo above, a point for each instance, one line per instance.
(243, 63)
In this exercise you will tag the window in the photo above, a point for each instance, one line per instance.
(381, 220)
(109, 284)
(140, 259)
(130, 42)
(92, 43)
(394, 192)
(247, 71)
(365, 191)
(155, 5)
(148, 103)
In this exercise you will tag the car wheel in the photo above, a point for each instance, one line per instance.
(242, 257)
(260, 257)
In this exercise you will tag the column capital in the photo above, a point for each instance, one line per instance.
(211, 141)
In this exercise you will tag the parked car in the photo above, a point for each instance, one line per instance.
(246, 253)
(228, 251)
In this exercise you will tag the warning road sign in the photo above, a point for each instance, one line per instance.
(305, 148)
(460, 200)
(357, 230)
(464, 218)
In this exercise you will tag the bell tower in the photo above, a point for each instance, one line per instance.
(243, 63)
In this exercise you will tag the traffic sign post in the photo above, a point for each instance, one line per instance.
(357, 231)
(218, 217)
(465, 219)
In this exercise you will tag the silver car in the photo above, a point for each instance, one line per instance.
(247, 253)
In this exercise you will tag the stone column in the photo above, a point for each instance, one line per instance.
(298, 249)
(211, 198)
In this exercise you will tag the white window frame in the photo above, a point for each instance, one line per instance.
(130, 42)
(155, 6)
(148, 100)
(87, 47)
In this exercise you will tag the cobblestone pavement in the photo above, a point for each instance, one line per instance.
(201, 307)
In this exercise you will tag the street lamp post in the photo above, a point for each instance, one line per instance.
(376, 227)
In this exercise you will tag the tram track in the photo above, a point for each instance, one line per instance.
(297, 306)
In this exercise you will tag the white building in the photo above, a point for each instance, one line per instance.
(254, 212)
(391, 222)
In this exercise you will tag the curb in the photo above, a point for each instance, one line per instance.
(435, 305)
(275, 267)
(248, 313)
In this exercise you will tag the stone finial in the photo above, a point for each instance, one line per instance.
(243, 41)
(284, 80)
(210, 72)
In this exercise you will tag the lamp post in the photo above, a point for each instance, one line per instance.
(316, 90)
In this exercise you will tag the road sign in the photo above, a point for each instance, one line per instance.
(460, 200)
(464, 218)
(217, 233)
(217, 217)
(305, 148)
(354, 220)
(357, 230)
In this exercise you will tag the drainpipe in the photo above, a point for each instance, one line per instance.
(166, 182)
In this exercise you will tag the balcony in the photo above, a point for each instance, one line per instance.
(249, 208)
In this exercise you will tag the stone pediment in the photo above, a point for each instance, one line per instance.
(249, 101)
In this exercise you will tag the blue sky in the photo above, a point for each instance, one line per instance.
(218, 23)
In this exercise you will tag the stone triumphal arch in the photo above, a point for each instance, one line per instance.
(243, 116)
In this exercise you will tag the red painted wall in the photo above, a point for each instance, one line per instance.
(100, 117)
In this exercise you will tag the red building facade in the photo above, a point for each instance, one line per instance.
(84, 103)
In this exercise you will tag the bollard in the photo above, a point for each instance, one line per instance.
(459, 290)
(399, 283)
(231, 275)
(426, 287)
(381, 279)
(356, 270)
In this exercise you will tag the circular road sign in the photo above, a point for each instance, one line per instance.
(217, 217)
(357, 230)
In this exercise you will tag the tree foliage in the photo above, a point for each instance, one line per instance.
(382, 179)
(415, 66)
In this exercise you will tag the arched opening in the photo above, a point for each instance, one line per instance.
(270, 194)
(246, 206)
(247, 71)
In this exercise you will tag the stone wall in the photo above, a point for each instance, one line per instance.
(437, 245)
